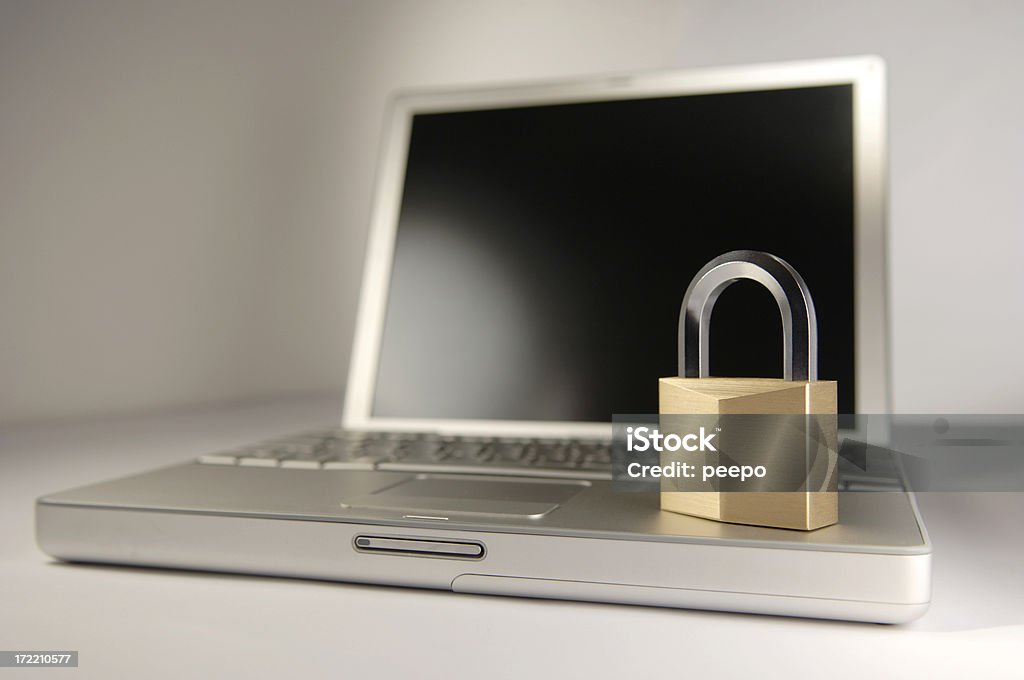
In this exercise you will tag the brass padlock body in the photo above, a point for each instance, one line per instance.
(799, 392)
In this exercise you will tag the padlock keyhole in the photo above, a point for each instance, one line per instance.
(746, 333)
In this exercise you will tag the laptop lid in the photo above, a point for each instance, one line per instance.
(529, 245)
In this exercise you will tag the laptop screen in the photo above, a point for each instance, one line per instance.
(542, 252)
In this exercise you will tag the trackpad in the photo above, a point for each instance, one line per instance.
(441, 495)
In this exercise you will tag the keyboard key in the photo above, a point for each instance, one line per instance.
(380, 448)
(552, 454)
(363, 464)
(505, 452)
(299, 464)
(218, 459)
(250, 461)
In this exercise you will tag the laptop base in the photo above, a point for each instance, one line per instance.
(598, 545)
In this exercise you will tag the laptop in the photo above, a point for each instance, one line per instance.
(528, 250)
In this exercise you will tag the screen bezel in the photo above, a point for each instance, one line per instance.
(865, 74)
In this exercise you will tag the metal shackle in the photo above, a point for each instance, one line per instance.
(799, 324)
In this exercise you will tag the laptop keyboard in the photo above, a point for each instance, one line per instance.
(411, 452)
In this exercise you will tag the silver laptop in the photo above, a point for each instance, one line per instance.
(528, 251)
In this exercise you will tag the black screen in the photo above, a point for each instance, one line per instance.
(542, 252)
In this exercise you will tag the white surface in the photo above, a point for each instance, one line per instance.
(143, 623)
(185, 186)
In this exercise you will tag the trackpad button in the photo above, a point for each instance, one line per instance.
(468, 495)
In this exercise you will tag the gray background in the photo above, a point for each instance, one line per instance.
(185, 186)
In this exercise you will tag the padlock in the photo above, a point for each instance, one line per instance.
(810, 502)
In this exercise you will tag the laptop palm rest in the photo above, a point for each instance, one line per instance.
(442, 495)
